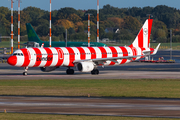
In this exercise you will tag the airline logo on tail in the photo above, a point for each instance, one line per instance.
(85, 59)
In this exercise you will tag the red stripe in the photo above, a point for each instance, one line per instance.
(150, 21)
(93, 52)
(134, 50)
(49, 57)
(26, 57)
(82, 53)
(71, 56)
(114, 54)
(125, 53)
(38, 57)
(152, 49)
(140, 38)
(103, 52)
(60, 56)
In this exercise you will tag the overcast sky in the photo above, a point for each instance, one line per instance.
(89, 4)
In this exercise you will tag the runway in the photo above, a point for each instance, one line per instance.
(137, 107)
(128, 71)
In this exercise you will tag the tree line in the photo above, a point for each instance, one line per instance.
(127, 21)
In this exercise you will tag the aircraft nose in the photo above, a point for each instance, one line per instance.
(12, 60)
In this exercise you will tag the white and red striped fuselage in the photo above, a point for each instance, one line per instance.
(86, 59)
(65, 56)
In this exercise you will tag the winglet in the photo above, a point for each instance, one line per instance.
(155, 51)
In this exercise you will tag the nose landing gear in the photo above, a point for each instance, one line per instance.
(25, 71)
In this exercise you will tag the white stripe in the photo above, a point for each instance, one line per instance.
(108, 50)
(66, 57)
(44, 54)
(145, 34)
(98, 52)
(20, 59)
(77, 53)
(55, 57)
(32, 57)
(119, 55)
(87, 51)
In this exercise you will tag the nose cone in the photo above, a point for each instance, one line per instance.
(12, 60)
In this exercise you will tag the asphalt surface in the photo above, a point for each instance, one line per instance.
(92, 106)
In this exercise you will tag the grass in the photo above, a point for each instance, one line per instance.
(18, 116)
(98, 88)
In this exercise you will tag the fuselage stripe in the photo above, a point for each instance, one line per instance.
(26, 57)
(93, 52)
(114, 54)
(71, 56)
(49, 57)
(82, 53)
(38, 57)
(103, 52)
(125, 53)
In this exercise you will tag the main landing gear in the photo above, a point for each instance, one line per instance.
(25, 71)
(70, 71)
(95, 72)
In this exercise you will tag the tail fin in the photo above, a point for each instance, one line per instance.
(143, 38)
(32, 36)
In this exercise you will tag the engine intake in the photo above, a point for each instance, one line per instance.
(85, 66)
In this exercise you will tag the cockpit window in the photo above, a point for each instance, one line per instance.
(18, 54)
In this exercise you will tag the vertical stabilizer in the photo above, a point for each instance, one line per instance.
(143, 38)
(32, 36)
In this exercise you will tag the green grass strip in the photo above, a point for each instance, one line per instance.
(17, 116)
(98, 88)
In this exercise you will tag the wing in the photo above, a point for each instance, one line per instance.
(113, 59)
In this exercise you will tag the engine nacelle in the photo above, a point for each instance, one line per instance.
(47, 69)
(85, 66)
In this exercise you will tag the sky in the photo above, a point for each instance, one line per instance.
(88, 4)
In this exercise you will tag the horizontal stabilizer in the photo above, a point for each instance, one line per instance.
(155, 51)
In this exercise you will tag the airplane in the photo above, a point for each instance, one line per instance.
(33, 37)
(85, 59)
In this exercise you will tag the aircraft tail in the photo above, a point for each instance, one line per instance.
(32, 36)
(142, 40)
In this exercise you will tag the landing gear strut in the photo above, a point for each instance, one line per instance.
(69, 71)
(25, 71)
(95, 72)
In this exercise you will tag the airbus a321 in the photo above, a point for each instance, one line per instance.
(85, 59)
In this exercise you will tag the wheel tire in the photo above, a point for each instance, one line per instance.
(95, 72)
(25, 73)
(69, 71)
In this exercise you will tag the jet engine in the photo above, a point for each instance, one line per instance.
(47, 69)
(85, 66)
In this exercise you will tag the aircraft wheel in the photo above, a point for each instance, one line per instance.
(69, 71)
(25, 73)
(95, 72)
